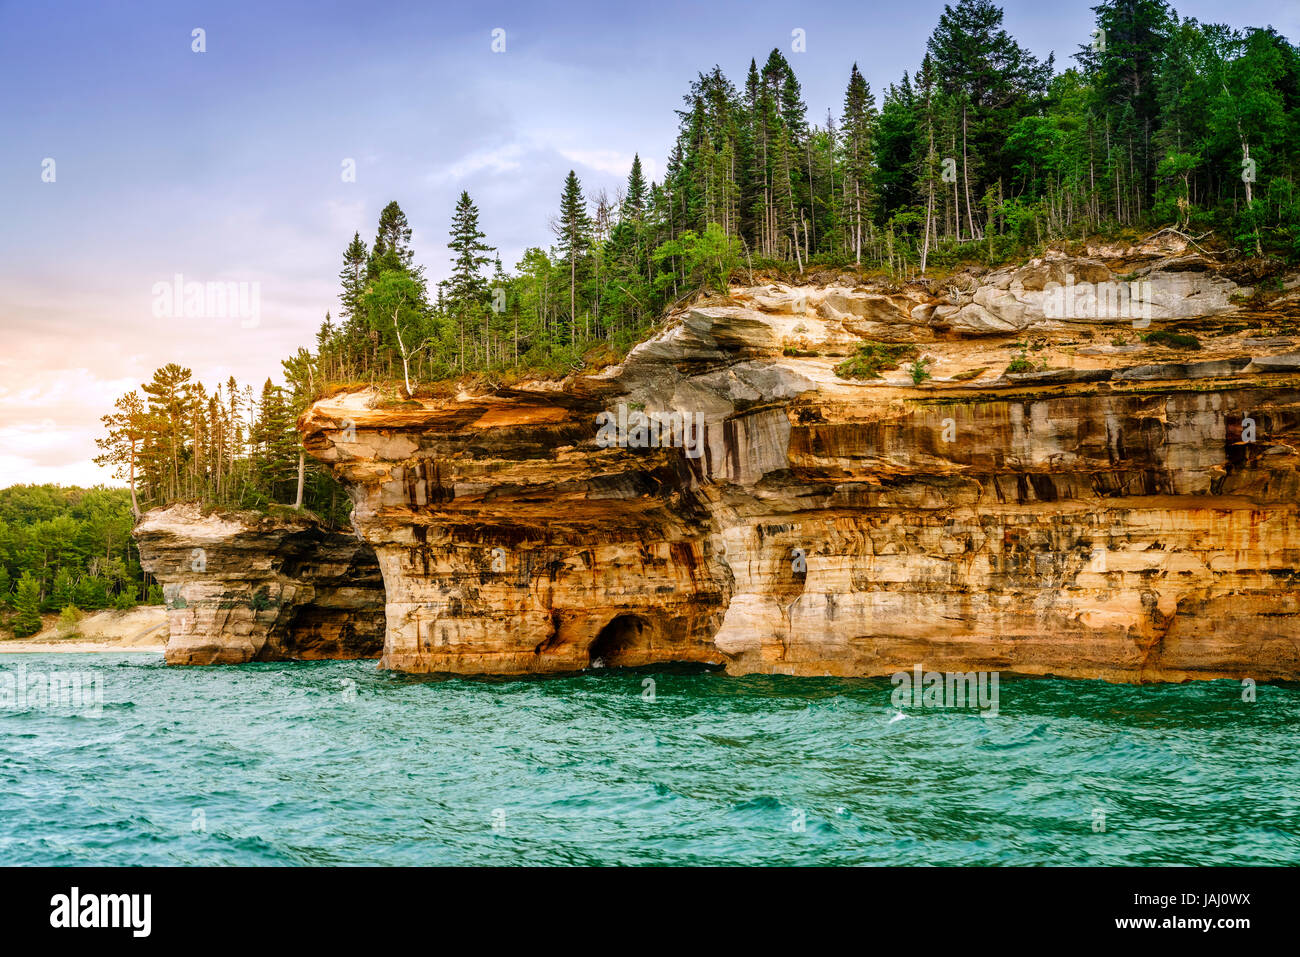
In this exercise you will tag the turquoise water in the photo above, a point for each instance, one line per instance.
(338, 763)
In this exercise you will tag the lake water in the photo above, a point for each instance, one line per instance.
(339, 763)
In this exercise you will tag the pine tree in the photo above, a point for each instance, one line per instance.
(169, 397)
(275, 438)
(61, 595)
(353, 275)
(120, 449)
(856, 128)
(1123, 64)
(466, 287)
(896, 136)
(392, 246)
(635, 200)
(27, 602)
(573, 232)
(992, 81)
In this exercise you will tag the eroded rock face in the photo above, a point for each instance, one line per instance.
(240, 586)
(1086, 523)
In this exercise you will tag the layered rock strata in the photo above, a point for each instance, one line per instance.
(243, 586)
(1120, 510)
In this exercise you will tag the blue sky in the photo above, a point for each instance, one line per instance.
(225, 165)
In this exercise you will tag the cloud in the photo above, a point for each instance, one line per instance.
(496, 161)
(532, 153)
(49, 420)
(609, 162)
(43, 450)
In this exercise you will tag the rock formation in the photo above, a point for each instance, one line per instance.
(243, 586)
(1117, 510)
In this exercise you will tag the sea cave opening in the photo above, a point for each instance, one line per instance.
(622, 643)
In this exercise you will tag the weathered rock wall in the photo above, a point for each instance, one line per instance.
(241, 586)
(1123, 514)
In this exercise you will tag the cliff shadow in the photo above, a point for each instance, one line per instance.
(623, 642)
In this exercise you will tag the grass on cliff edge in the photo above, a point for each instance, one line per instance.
(593, 359)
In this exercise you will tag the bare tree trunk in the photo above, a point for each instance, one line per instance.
(302, 468)
(965, 175)
(135, 505)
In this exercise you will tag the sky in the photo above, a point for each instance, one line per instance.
(128, 158)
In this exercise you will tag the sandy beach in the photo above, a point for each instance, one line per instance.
(141, 629)
(73, 646)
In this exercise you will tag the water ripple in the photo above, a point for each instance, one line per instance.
(339, 763)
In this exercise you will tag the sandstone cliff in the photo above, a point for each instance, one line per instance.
(1119, 510)
(241, 586)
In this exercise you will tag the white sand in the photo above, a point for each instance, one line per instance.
(141, 629)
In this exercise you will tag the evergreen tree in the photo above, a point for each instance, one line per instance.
(121, 447)
(635, 201)
(466, 286)
(353, 276)
(992, 82)
(392, 246)
(896, 136)
(856, 127)
(61, 596)
(27, 604)
(1122, 64)
(169, 397)
(573, 233)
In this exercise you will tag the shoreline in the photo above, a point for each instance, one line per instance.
(142, 628)
(74, 646)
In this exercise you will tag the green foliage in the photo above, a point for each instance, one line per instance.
(229, 447)
(73, 543)
(1172, 340)
(27, 619)
(982, 154)
(918, 371)
(705, 262)
(62, 592)
(872, 358)
(1020, 363)
(391, 250)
